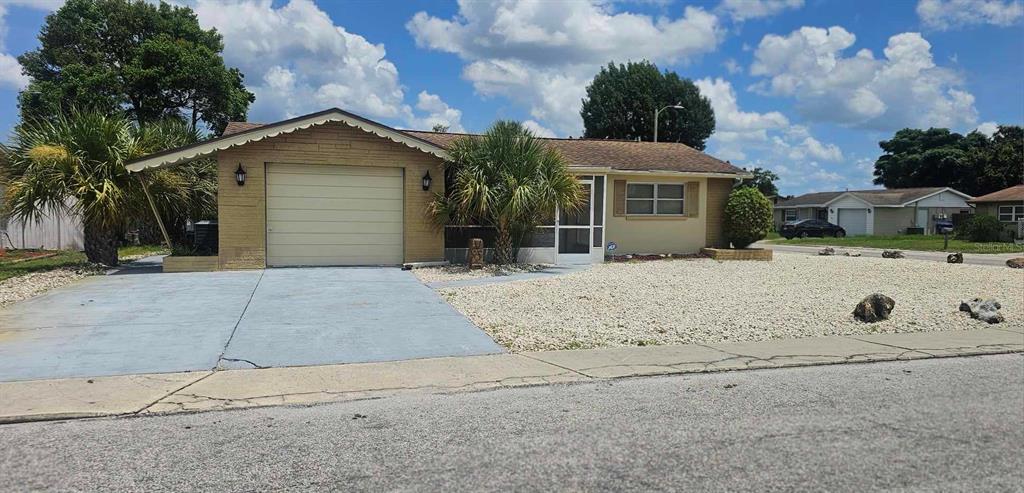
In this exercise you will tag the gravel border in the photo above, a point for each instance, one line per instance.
(462, 272)
(707, 301)
(27, 286)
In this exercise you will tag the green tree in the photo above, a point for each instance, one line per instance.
(973, 164)
(75, 163)
(146, 60)
(763, 180)
(748, 217)
(508, 180)
(621, 101)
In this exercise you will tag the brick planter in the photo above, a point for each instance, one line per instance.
(738, 254)
(190, 264)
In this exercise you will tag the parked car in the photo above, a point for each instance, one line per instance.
(811, 227)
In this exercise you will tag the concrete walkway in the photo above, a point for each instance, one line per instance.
(231, 389)
(997, 259)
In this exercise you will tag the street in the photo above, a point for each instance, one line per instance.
(950, 424)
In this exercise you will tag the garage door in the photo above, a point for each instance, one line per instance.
(333, 215)
(854, 221)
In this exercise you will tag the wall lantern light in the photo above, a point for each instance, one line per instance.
(426, 181)
(240, 175)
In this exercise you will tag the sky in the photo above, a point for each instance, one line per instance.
(805, 88)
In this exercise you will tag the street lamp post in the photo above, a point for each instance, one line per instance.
(658, 112)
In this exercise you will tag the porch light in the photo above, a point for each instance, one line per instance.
(240, 175)
(426, 181)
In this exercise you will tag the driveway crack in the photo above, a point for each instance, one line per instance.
(239, 322)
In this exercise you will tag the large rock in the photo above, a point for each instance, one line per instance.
(874, 308)
(892, 254)
(984, 310)
(827, 251)
(1015, 263)
(955, 258)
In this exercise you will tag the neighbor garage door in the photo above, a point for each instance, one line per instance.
(333, 215)
(854, 221)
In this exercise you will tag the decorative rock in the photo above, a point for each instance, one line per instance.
(475, 258)
(854, 254)
(892, 254)
(827, 251)
(955, 258)
(984, 310)
(874, 308)
(1015, 263)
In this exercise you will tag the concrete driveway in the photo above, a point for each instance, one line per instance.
(146, 322)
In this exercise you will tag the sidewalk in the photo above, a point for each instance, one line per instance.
(233, 389)
(997, 259)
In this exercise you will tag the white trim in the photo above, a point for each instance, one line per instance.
(946, 189)
(204, 149)
(1015, 216)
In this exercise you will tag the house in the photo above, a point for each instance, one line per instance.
(54, 230)
(876, 212)
(334, 188)
(1007, 205)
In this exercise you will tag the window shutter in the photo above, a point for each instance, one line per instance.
(620, 198)
(692, 199)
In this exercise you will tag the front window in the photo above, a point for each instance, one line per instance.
(790, 215)
(649, 199)
(1011, 213)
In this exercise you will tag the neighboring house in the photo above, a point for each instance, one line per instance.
(333, 188)
(876, 212)
(54, 231)
(1007, 205)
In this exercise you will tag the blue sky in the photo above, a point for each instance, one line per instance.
(806, 88)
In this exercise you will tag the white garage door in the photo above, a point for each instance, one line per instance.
(854, 221)
(333, 215)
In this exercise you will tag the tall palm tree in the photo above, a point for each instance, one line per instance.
(75, 163)
(506, 179)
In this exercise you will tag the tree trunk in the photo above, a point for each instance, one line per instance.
(100, 245)
(504, 253)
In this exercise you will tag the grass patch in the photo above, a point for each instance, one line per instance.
(931, 243)
(139, 251)
(10, 269)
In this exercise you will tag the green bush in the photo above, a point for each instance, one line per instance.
(748, 217)
(980, 228)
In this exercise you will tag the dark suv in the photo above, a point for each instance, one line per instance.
(811, 227)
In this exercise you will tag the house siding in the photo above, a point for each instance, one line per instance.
(717, 196)
(653, 234)
(242, 209)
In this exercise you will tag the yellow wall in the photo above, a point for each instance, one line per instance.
(653, 234)
(242, 210)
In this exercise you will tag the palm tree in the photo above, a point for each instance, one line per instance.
(75, 163)
(506, 179)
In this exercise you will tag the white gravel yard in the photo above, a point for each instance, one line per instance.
(24, 287)
(704, 301)
(462, 272)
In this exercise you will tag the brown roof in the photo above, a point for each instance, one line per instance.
(881, 197)
(616, 154)
(1012, 194)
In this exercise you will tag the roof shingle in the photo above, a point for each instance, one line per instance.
(884, 197)
(1012, 194)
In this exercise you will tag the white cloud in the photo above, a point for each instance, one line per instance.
(769, 140)
(988, 128)
(952, 14)
(538, 129)
(543, 54)
(905, 88)
(10, 73)
(296, 61)
(732, 66)
(741, 10)
(438, 113)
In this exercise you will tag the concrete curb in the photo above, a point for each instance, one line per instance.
(238, 389)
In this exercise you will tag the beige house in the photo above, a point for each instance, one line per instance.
(1007, 205)
(876, 212)
(333, 188)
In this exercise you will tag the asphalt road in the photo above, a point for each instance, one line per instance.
(994, 259)
(950, 424)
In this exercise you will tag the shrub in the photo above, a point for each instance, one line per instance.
(748, 217)
(980, 228)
